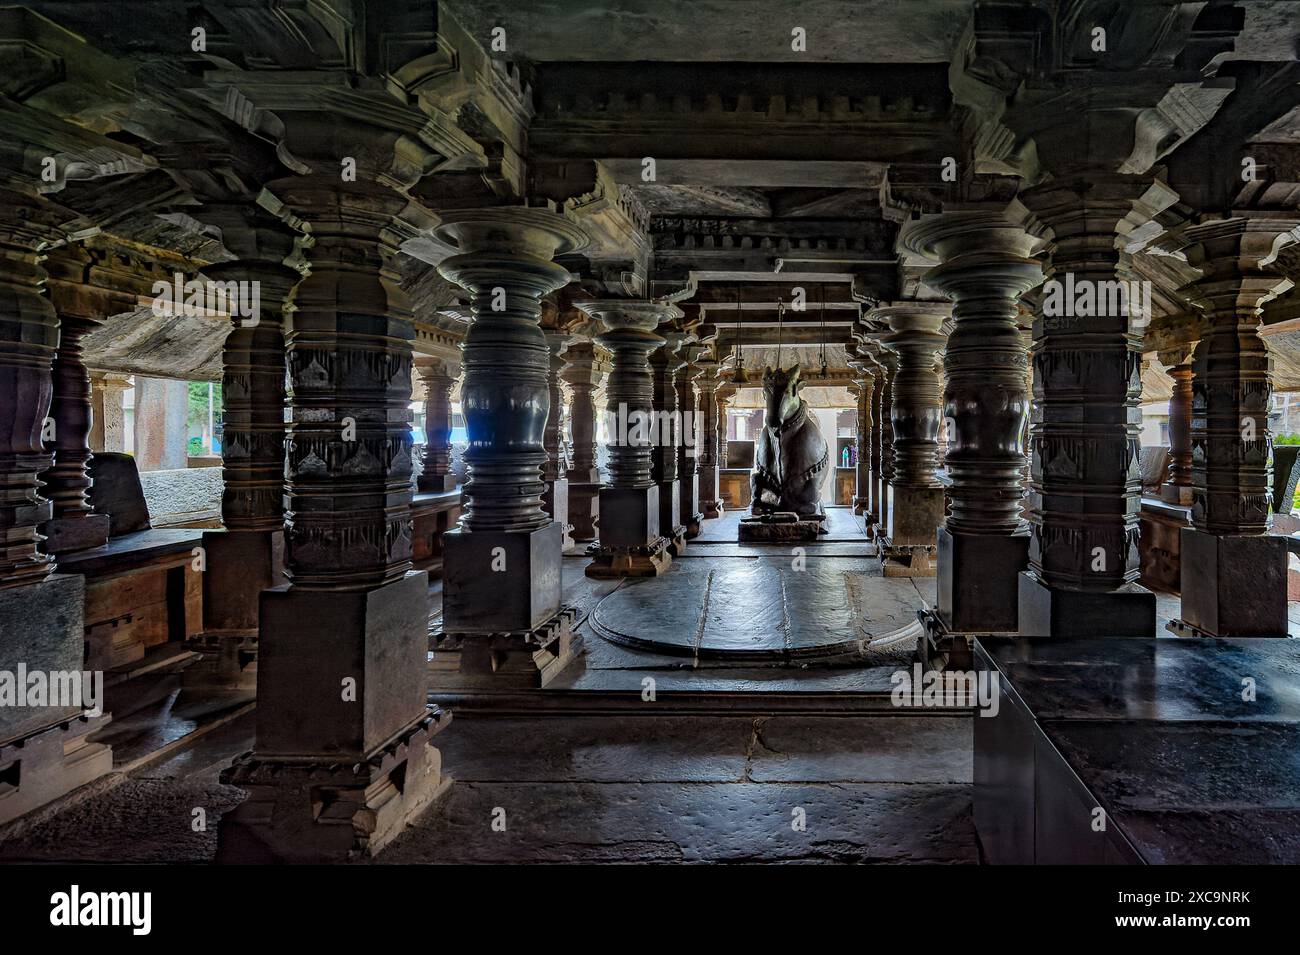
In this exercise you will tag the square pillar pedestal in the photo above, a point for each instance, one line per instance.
(630, 542)
(975, 591)
(65, 534)
(238, 566)
(342, 761)
(670, 506)
(1232, 586)
(910, 547)
(584, 510)
(1056, 612)
(45, 752)
(502, 623)
(555, 501)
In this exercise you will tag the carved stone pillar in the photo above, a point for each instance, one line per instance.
(41, 614)
(1085, 484)
(107, 413)
(688, 465)
(875, 456)
(584, 370)
(665, 367)
(501, 603)
(888, 362)
(343, 719)
(1233, 573)
(1177, 488)
(439, 378)
(248, 556)
(555, 500)
(724, 395)
(918, 508)
(75, 525)
(865, 372)
(631, 541)
(706, 382)
(985, 265)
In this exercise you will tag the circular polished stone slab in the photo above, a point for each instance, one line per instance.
(763, 609)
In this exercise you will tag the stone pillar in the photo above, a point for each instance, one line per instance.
(918, 507)
(162, 408)
(555, 500)
(874, 448)
(248, 557)
(865, 382)
(1085, 484)
(726, 391)
(439, 378)
(688, 464)
(706, 390)
(107, 414)
(665, 367)
(1177, 488)
(501, 598)
(1233, 572)
(584, 370)
(985, 265)
(888, 362)
(342, 757)
(41, 613)
(631, 541)
(75, 525)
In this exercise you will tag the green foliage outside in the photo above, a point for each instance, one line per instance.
(197, 418)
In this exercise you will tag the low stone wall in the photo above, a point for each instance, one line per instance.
(186, 497)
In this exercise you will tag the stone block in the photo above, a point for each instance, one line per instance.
(116, 491)
(629, 516)
(1234, 586)
(1055, 612)
(977, 585)
(522, 594)
(41, 628)
(315, 645)
(239, 565)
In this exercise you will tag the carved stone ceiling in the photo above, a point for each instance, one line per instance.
(897, 31)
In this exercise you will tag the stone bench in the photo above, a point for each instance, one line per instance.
(432, 515)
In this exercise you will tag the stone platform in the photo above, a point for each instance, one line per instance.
(770, 608)
(1187, 749)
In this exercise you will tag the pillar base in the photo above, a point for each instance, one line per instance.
(940, 648)
(651, 560)
(239, 565)
(907, 560)
(501, 581)
(435, 483)
(861, 506)
(584, 510)
(711, 509)
(332, 809)
(47, 764)
(1055, 612)
(64, 534)
(694, 524)
(976, 586)
(670, 505)
(1233, 586)
(555, 501)
(525, 659)
(1176, 494)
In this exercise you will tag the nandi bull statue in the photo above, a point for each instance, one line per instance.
(792, 456)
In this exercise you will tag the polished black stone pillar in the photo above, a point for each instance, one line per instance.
(584, 371)
(688, 465)
(631, 538)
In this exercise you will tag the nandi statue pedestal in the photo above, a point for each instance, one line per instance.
(790, 461)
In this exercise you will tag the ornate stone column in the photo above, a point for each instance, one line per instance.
(584, 370)
(875, 455)
(665, 367)
(631, 542)
(888, 362)
(1177, 488)
(985, 265)
(865, 371)
(1233, 572)
(41, 613)
(75, 525)
(343, 719)
(688, 464)
(248, 556)
(501, 602)
(726, 391)
(107, 414)
(916, 336)
(1085, 484)
(706, 383)
(439, 378)
(555, 500)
